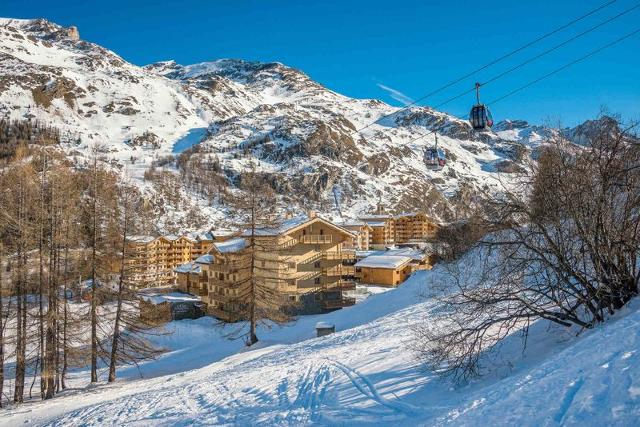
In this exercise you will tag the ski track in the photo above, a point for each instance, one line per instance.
(364, 374)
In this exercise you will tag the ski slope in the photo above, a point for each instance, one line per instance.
(365, 374)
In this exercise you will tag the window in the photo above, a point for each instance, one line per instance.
(316, 264)
(316, 281)
(321, 231)
(292, 297)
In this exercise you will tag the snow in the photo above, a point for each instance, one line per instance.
(324, 325)
(228, 105)
(383, 261)
(141, 239)
(190, 267)
(159, 298)
(414, 254)
(364, 374)
(286, 225)
(204, 259)
(231, 245)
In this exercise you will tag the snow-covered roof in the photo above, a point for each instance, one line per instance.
(222, 233)
(353, 224)
(141, 239)
(190, 267)
(205, 259)
(324, 325)
(375, 217)
(383, 261)
(159, 298)
(231, 245)
(414, 254)
(286, 225)
(376, 223)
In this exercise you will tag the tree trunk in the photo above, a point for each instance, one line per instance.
(94, 284)
(253, 338)
(116, 326)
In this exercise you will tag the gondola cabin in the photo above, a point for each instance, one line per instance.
(435, 158)
(480, 117)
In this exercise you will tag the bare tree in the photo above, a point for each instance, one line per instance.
(129, 343)
(259, 295)
(567, 251)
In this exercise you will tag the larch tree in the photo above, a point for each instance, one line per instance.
(129, 341)
(259, 296)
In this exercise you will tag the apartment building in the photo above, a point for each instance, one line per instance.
(151, 260)
(388, 229)
(304, 259)
(363, 235)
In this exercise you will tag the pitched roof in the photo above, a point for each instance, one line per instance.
(231, 245)
(159, 298)
(383, 261)
(205, 259)
(290, 224)
(190, 267)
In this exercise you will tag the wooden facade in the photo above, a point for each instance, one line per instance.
(384, 270)
(363, 235)
(151, 260)
(304, 259)
(400, 228)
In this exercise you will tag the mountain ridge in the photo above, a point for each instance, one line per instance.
(306, 139)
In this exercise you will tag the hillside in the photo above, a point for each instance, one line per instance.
(365, 374)
(301, 135)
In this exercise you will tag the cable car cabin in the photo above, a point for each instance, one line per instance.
(480, 117)
(434, 158)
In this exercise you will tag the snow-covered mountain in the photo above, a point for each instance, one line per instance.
(304, 137)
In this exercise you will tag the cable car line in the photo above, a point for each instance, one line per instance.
(540, 55)
(545, 76)
(575, 61)
(493, 62)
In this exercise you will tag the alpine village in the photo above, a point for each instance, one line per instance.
(236, 242)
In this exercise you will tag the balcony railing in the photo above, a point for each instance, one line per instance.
(343, 285)
(332, 271)
(315, 239)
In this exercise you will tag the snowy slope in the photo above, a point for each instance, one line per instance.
(364, 374)
(301, 135)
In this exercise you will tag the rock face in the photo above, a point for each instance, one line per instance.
(301, 136)
(73, 33)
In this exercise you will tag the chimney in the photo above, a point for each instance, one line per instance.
(311, 214)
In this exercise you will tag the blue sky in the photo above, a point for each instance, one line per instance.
(360, 47)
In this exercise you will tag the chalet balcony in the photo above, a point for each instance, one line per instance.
(334, 256)
(315, 239)
(307, 275)
(348, 270)
(218, 296)
(332, 271)
(332, 304)
(343, 285)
